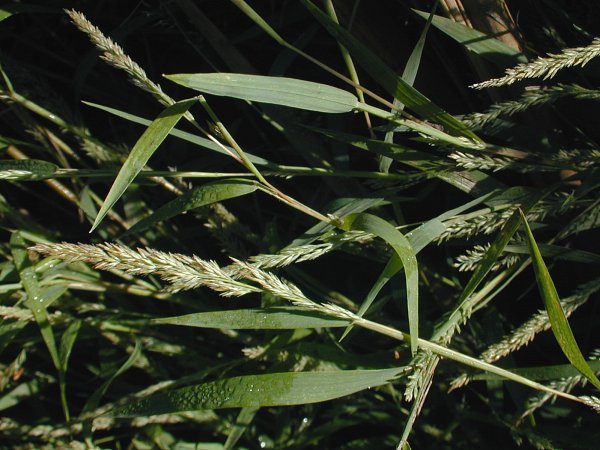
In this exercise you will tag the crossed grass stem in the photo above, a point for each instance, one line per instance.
(185, 272)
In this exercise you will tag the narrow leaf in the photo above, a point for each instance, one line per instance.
(94, 400)
(419, 238)
(35, 300)
(487, 47)
(67, 342)
(558, 320)
(199, 196)
(188, 137)
(274, 90)
(401, 245)
(252, 391)
(497, 247)
(388, 79)
(141, 153)
(255, 319)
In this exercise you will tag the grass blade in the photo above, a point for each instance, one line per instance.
(558, 321)
(141, 153)
(274, 90)
(94, 400)
(401, 245)
(36, 302)
(242, 421)
(419, 238)
(388, 79)
(485, 46)
(199, 196)
(255, 319)
(183, 135)
(252, 391)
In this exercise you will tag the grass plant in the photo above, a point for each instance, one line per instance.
(299, 247)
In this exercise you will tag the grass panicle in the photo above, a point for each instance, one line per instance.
(546, 67)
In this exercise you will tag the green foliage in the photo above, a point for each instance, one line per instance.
(262, 308)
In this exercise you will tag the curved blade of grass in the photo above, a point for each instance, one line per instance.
(273, 90)
(188, 137)
(409, 75)
(36, 302)
(242, 421)
(252, 391)
(94, 400)
(194, 198)
(388, 79)
(497, 247)
(419, 238)
(67, 342)
(386, 231)
(141, 153)
(558, 321)
(255, 319)
(485, 46)
(26, 169)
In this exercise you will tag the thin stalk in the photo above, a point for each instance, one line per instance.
(266, 186)
(418, 127)
(350, 66)
(461, 358)
(283, 171)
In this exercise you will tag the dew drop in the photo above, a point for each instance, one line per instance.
(305, 420)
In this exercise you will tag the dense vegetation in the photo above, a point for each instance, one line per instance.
(314, 225)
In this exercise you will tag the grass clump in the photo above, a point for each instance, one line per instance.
(336, 270)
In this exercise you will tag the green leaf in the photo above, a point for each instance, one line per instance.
(142, 151)
(409, 75)
(199, 196)
(558, 320)
(188, 137)
(274, 90)
(24, 391)
(252, 391)
(94, 400)
(386, 231)
(497, 247)
(282, 318)
(485, 46)
(67, 342)
(419, 238)
(240, 425)
(35, 299)
(388, 79)
(27, 169)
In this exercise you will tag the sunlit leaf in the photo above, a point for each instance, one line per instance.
(141, 153)
(274, 389)
(274, 90)
(558, 321)
(258, 319)
(388, 79)
(213, 192)
(487, 47)
(401, 245)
